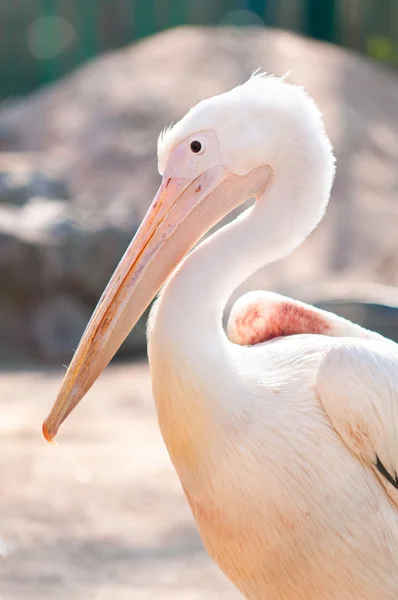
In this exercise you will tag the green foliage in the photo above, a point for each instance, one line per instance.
(382, 48)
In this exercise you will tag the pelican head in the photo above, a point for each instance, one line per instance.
(225, 150)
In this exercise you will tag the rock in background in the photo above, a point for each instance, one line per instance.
(78, 170)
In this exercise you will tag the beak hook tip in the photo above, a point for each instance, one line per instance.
(49, 437)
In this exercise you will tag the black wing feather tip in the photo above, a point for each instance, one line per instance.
(381, 468)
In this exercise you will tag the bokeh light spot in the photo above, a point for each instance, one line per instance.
(242, 17)
(49, 36)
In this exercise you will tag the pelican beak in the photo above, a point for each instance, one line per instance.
(165, 236)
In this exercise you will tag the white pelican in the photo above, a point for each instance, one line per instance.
(286, 445)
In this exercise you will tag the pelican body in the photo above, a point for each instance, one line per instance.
(283, 429)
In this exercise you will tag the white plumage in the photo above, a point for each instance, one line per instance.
(283, 433)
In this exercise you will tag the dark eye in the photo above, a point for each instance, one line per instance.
(196, 146)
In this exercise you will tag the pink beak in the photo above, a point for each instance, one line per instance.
(158, 246)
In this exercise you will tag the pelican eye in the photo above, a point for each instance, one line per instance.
(196, 146)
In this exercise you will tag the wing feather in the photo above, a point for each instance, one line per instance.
(357, 384)
(260, 316)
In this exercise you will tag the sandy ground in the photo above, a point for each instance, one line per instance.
(101, 516)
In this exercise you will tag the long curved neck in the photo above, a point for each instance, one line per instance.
(194, 366)
(191, 305)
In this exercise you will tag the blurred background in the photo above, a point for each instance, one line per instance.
(85, 88)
